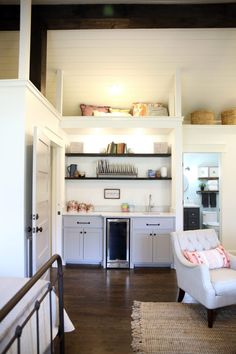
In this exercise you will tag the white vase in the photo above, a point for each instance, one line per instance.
(163, 171)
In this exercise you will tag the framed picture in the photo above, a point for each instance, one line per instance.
(111, 193)
(213, 172)
(202, 172)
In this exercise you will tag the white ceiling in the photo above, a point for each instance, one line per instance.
(69, 2)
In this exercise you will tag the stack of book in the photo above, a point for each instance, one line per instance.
(113, 148)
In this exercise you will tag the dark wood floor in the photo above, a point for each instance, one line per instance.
(99, 302)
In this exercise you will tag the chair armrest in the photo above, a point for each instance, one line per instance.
(192, 277)
(232, 261)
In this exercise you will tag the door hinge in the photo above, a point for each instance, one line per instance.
(35, 216)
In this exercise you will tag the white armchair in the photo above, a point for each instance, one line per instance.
(213, 288)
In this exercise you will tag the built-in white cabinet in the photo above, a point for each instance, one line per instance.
(82, 239)
(150, 241)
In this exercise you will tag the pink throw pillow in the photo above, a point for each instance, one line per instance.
(213, 258)
(87, 109)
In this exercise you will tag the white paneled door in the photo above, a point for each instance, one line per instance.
(41, 242)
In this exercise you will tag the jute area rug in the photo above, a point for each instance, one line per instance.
(181, 328)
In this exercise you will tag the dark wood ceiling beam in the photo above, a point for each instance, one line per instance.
(124, 16)
(138, 16)
(38, 54)
(9, 18)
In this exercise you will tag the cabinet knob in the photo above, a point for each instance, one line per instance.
(150, 234)
(85, 232)
(154, 234)
(39, 229)
(81, 232)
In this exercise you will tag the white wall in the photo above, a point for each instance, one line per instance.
(12, 157)
(218, 139)
(9, 52)
(22, 107)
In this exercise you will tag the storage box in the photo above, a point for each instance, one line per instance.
(76, 147)
(212, 185)
(161, 148)
(213, 172)
(202, 117)
(202, 171)
(228, 117)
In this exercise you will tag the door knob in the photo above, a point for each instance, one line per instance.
(39, 229)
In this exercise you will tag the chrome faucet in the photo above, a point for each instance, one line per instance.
(150, 205)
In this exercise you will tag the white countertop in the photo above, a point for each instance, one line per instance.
(121, 214)
(189, 205)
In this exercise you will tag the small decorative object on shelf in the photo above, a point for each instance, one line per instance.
(74, 205)
(72, 169)
(163, 171)
(202, 186)
(151, 173)
(105, 169)
(124, 207)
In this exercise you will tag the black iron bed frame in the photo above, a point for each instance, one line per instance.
(21, 293)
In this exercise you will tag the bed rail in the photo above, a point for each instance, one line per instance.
(21, 293)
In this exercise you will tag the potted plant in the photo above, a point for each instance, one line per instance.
(202, 186)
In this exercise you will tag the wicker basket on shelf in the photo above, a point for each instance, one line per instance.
(228, 117)
(202, 117)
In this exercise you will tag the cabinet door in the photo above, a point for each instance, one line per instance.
(162, 252)
(191, 218)
(141, 247)
(92, 245)
(73, 245)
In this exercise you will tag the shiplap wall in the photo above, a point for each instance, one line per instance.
(142, 62)
(9, 52)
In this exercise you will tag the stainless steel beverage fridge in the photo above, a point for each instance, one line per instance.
(117, 242)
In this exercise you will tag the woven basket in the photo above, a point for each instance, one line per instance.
(228, 117)
(202, 117)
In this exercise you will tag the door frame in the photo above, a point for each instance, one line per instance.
(57, 196)
(208, 149)
(57, 188)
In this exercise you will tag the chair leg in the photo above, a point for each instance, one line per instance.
(181, 295)
(210, 317)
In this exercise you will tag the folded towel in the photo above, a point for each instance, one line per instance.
(212, 197)
(205, 200)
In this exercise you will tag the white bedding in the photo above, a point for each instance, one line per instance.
(8, 288)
